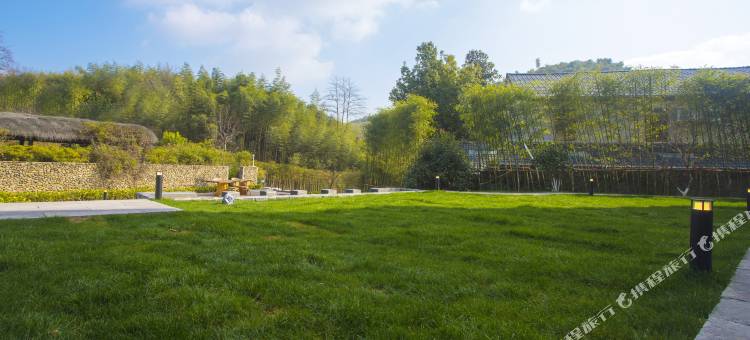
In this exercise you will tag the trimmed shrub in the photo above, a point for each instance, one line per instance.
(288, 176)
(44, 153)
(552, 158)
(85, 195)
(68, 195)
(440, 156)
(189, 153)
(172, 138)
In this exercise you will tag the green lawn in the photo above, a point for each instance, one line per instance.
(416, 265)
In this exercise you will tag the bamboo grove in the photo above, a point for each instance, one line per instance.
(641, 119)
(244, 112)
(644, 118)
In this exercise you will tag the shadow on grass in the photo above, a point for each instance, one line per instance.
(355, 269)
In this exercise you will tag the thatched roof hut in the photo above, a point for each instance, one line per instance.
(30, 127)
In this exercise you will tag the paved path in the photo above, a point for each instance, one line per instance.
(211, 197)
(730, 319)
(80, 208)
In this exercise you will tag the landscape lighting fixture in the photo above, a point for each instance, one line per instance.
(700, 204)
(159, 185)
(701, 232)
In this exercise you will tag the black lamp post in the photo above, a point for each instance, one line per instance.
(159, 185)
(701, 229)
(591, 187)
(437, 182)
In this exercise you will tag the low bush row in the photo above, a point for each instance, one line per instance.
(84, 195)
(290, 176)
(44, 153)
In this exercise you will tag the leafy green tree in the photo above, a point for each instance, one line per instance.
(218, 80)
(714, 108)
(484, 67)
(172, 138)
(316, 100)
(394, 136)
(441, 156)
(501, 119)
(566, 108)
(279, 83)
(552, 157)
(118, 151)
(437, 77)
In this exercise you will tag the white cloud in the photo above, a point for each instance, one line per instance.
(248, 40)
(533, 6)
(355, 20)
(261, 35)
(730, 50)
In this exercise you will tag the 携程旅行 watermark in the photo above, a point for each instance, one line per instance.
(626, 299)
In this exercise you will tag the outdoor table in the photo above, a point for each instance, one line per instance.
(221, 185)
(240, 184)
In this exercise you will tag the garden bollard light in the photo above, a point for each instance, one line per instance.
(159, 185)
(105, 195)
(701, 230)
(748, 200)
(437, 182)
(591, 187)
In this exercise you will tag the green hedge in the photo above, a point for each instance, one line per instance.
(69, 195)
(84, 195)
(198, 154)
(289, 176)
(189, 153)
(185, 153)
(44, 153)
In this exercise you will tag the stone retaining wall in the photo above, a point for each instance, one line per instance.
(249, 172)
(59, 176)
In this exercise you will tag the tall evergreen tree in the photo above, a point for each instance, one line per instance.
(486, 69)
(436, 76)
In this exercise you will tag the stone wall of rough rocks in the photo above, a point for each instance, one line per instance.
(249, 172)
(58, 176)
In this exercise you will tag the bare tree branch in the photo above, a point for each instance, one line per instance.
(343, 100)
(227, 127)
(6, 57)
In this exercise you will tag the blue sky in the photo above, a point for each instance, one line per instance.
(368, 40)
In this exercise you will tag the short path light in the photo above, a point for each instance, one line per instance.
(591, 187)
(701, 229)
(437, 182)
(159, 185)
(748, 200)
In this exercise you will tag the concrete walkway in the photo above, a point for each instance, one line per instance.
(81, 208)
(191, 196)
(730, 319)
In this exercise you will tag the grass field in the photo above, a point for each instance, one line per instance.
(416, 265)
